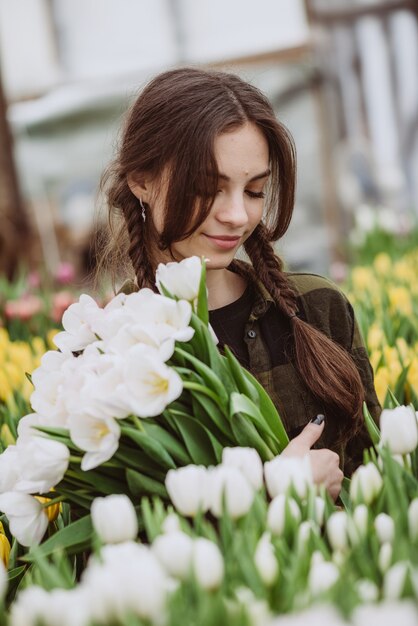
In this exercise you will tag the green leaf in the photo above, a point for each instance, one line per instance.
(151, 446)
(73, 539)
(269, 412)
(243, 383)
(202, 297)
(141, 485)
(173, 446)
(15, 572)
(209, 413)
(239, 403)
(197, 440)
(211, 380)
(371, 425)
(246, 435)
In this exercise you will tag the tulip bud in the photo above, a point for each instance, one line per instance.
(230, 489)
(366, 484)
(306, 529)
(171, 524)
(413, 519)
(208, 564)
(52, 511)
(266, 561)
(189, 489)
(282, 472)
(395, 580)
(367, 590)
(248, 461)
(385, 528)
(357, 525)
(114, 518)
(337, 530)
(4, 547)
(3, 581)
(174, 551)
(322, 577)
(385, 557)
(280, 511)
(319, 506)
(399, 429)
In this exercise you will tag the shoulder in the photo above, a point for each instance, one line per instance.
(305, 282)
(128, 287)
(324, 305)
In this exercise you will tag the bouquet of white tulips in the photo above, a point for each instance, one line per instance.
(137, 388)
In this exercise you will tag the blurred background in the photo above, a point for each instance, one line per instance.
(342, 75)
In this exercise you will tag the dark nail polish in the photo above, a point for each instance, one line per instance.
(318, 419)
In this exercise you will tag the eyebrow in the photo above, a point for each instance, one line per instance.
(254, 178)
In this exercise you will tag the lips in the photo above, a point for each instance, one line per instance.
(224, 237)
(224, 242)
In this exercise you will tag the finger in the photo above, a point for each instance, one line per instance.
(312, 432)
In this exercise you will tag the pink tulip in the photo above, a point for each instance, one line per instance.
(24, 308)
(60, 303)
(65, 273)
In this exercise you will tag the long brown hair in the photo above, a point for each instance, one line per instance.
(172, 128)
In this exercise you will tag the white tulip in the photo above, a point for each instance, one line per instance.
(114, 518)
(385, 557)
(317, 557)
(151, 385)
(412, 518)
(358, 523)
(127, 579)
(171, 524)
(266, 561)
(366, 484)
(399, 429)
(77, 323)
(68, 607)
(42, 464)
(49, 381)
(322, 576)
(174, 551)
(9, 469)
(27, 519)
(385, 528)
(367, 590)
(337, 530)
(208, 564)
(99, 438)
(3, 581)
(30, 607)
(181, 279)
(27, 426)
(230, 489)
(319, 510)
(258, 611)
(282, 472)
(306, 529)
(282, 509)
(386, 613)
(189, 489)
(248, 461)
(395, 580)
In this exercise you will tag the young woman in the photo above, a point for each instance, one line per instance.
(205, 168)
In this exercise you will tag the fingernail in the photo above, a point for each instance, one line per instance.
(318, 419)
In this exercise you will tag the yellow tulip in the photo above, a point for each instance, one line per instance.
(382, 264)
(6, 435)
(381, 383)
(53, 510)
(4, 547)
(6, 390)
(375, 337)
(50, 339)
(362, 278)
(400, 300)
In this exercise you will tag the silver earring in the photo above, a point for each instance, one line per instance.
(142, 209)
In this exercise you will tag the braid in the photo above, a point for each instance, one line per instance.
(137, 249)
(326, 368)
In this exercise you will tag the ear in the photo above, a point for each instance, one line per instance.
(140, 187)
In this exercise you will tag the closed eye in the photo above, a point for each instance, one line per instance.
(255, 194)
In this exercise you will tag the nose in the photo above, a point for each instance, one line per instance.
(232, 211)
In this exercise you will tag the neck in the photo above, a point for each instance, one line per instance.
(224, 287)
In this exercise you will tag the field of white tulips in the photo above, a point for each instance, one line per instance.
(146, 487)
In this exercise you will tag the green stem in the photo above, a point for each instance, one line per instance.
(137, 422)
(196, 387)
(56, 500)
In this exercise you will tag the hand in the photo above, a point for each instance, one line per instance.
(324, 462)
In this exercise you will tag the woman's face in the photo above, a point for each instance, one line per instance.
(242, 158)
